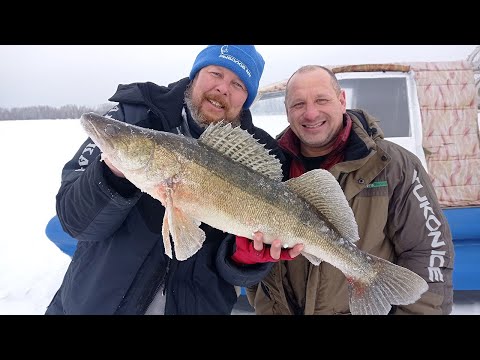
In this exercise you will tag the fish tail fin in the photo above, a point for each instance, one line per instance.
(392, 285)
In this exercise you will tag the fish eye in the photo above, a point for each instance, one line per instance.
(111, 130)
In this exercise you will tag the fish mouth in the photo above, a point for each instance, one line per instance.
(85, 121)
(89, 122)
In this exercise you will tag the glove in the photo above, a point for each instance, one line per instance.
(246, 254)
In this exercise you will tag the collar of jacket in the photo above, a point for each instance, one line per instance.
(166, 102)
(364, 157)
(359, 145)
(335, 156)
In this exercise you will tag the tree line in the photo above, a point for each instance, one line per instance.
(50, 112)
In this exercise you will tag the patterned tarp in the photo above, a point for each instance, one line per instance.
(449, 110)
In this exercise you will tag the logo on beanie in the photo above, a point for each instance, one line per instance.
(224, 54)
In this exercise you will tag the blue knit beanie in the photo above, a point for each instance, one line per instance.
(243, 60)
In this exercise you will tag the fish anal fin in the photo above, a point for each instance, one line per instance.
(313, 259)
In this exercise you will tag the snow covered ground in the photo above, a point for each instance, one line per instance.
(31, 266)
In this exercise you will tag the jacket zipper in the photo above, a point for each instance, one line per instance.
(160, 284)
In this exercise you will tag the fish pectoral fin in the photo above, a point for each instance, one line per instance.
(313, 259)
(166, 236)
(186, 234)
(164, 195)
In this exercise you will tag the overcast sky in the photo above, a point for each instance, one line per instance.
(58, 75)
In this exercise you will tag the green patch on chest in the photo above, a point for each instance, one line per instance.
(377, 184)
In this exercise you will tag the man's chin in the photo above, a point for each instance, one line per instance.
(208, 119)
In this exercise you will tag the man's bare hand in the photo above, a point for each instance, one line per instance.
(113, 168)
(275, 247)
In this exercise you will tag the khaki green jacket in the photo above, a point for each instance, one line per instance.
(399, 219)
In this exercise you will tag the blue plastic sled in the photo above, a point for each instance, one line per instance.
(59, 237)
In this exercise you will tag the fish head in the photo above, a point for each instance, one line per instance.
(128, 147)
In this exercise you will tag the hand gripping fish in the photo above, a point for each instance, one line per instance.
(229, 181)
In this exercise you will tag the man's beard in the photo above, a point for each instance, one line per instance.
(199, 117)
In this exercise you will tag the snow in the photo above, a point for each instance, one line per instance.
(31, 266)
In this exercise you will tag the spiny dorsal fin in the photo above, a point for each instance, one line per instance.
(321, 189)
(242, 147)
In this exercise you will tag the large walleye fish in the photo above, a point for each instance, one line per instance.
(229, 181)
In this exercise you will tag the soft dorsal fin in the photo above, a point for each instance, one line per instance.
(242, 147)
(320, 188)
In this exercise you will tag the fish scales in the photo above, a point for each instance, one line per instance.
(212, 187)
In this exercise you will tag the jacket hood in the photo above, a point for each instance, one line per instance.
(164, 101)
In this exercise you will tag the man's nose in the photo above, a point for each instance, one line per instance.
(222, 87)
(311, 112)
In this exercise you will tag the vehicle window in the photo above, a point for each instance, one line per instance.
(270, 104)
(269, 113)
(384, 98)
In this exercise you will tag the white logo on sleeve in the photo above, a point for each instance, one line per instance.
(83, 161)
(433, 225)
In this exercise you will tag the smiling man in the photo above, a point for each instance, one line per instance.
(395, 206)
(120, 264)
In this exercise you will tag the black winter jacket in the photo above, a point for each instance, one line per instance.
(120, 261)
